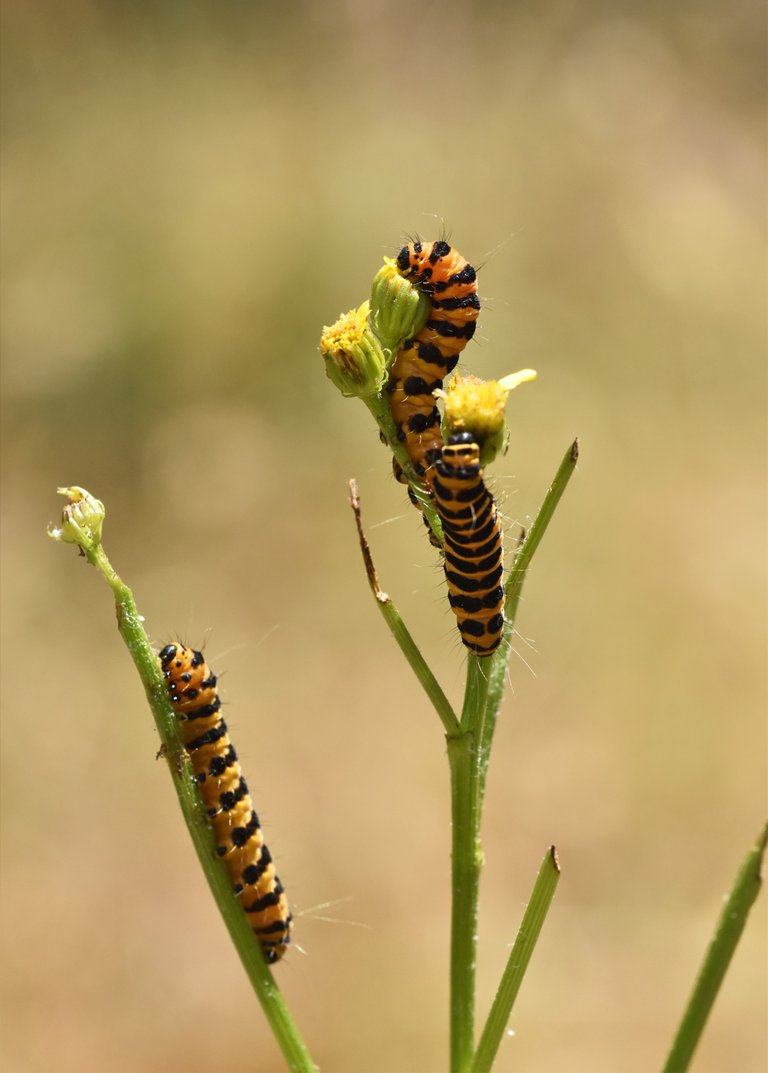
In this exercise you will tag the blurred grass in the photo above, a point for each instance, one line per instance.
(188, 194)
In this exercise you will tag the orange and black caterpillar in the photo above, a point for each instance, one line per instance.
(423, 361)
(473, 544)
(192, 689)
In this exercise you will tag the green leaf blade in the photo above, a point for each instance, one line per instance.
(718, 957)
(517, 963)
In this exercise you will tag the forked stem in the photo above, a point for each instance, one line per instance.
(469, 742)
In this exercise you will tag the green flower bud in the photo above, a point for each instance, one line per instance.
(81, 519)
(477, 406)
(398, 309)
(354, 358)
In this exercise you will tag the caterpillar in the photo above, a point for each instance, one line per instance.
(192, 690)
(423, 361)
(473, 544)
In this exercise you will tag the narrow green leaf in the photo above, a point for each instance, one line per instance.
(497, 671)
(718, 957)
(533, 537)
(533, 919)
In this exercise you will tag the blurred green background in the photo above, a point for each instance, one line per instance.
(190, 192)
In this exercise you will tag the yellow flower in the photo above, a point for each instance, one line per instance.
(477, 406)
(354, 358)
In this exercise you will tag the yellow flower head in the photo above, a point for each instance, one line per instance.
(354, 358)
(477, 406)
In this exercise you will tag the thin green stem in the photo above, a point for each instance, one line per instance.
(517, 963)
(466, 865)
(475, 692)
(718, 957)
(131, 629)
(397, 627)
(466, 862)
(418, 664)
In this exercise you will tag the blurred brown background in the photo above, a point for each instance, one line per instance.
(190, 192)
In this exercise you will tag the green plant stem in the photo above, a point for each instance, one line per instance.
(468, 756)
(718, 957)
(466, 862)
(272, 1002)
(418, 664)
(475, 692)
(466, 865)
(397, 627)
(530, 928)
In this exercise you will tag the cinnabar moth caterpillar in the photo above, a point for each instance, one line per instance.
(473, 544)
(192, 689)
(423, 361)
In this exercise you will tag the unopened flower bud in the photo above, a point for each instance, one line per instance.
(477, 406)
(398, 309)
(354, 358)
(81, 519)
